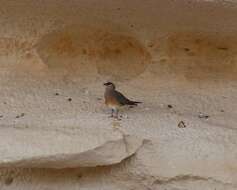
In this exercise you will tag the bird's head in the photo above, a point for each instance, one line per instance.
(109, 85)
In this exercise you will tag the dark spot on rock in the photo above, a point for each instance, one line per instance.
(21, 115)
(150, 45)
(84, 51)
(222, 111)
(118, 9)
(69, 99)
(4, 102)
(182, 124)
(130, 44)
(163, 60)
(117, 51)
(131, 25)
(198, 41)
(8, 181)
(170, 106)
(56, 94)
(186, 49)
(79, 176)
(222, 48)
(1, 116)
(99, 98)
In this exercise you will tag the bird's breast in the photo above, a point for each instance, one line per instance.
(111, 102)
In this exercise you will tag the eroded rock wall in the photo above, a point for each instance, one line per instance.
(177, 57)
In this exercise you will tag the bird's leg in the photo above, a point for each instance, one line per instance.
(112, 113)
(117, 116)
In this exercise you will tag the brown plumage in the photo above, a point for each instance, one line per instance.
(115, 99)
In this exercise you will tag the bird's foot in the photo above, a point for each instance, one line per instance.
(118, 118)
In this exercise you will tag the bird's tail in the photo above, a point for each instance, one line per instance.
(133, 103)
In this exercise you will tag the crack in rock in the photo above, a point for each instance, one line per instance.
(183, 178)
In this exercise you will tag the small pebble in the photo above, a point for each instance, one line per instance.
(56, 94)
(201, 115)
(69, 99)
(21, 115)
(182, 124)
(170, 106)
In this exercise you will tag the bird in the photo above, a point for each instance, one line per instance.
(115, 99)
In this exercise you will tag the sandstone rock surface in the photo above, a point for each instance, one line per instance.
(178, 57)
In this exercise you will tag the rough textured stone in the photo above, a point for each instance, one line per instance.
(54, 127)
(27, 148)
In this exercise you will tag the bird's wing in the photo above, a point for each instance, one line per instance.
(121, 98)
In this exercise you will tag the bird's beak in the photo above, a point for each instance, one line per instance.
(105, 84)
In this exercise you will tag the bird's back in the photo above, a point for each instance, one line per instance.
(117, 98)
(121, 98)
